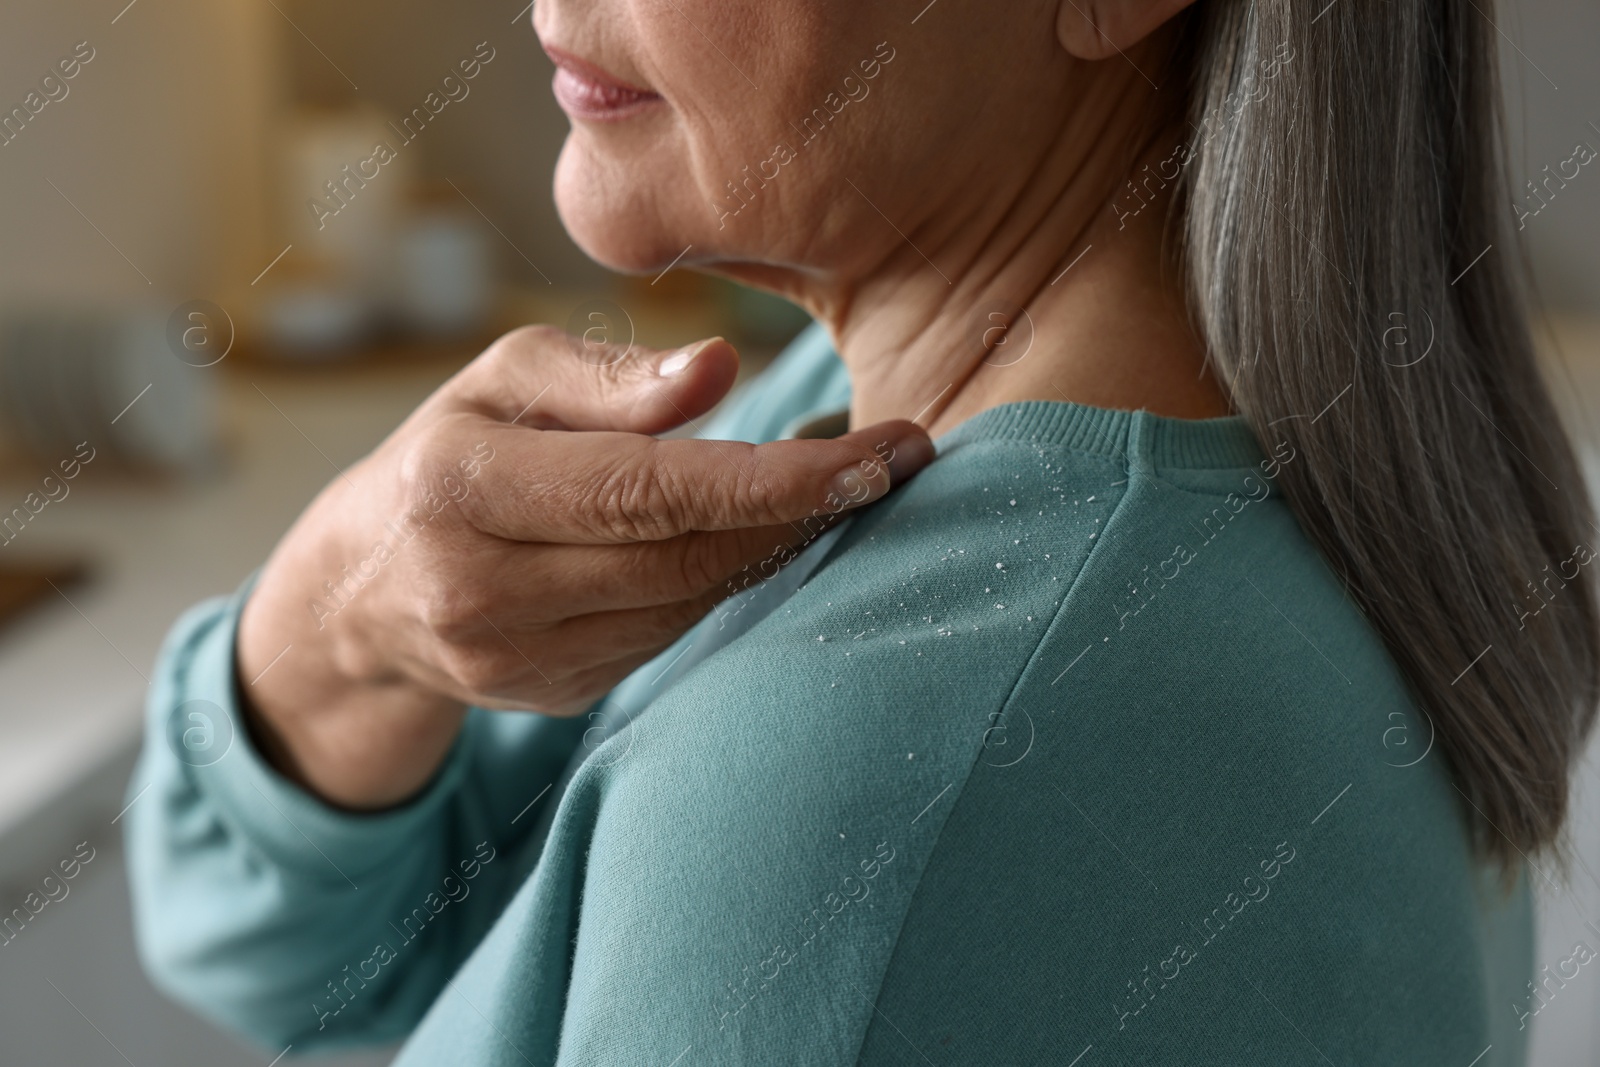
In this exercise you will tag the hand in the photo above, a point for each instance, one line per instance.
(521, 541)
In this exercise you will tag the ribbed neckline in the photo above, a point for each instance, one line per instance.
(1141, 439)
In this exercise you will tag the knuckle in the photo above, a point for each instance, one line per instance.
(532, 339)
(476, 669)
(449, 618)
(759, 496)
(429, 477)
(424, 461)
(515, 349)
(615, 386)
(621, 379)
(635, 501)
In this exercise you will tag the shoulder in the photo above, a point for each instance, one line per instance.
(1143, 728)
(1207, 766)
(1040, 708)
(1178, 631)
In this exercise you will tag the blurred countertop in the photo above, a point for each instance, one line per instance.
(74, 672)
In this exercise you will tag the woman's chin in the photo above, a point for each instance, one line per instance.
(619, 225)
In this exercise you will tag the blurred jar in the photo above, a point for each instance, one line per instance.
(348, 178)
(443, 283)
(311, 312)
(109, 378)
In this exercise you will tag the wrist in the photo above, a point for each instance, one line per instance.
(328, 713)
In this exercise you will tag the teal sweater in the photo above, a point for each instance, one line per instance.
(1070, 751)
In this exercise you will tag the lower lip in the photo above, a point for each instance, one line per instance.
(594, 101)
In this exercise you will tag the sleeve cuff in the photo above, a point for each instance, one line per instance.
(200, 718)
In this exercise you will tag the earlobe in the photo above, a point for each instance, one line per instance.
(1100, 29)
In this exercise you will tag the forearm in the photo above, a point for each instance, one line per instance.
(251, 895)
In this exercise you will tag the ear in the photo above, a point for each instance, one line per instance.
(1099, 29)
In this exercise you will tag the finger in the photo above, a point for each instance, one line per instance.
(561, 665)
(594, 488)
(633, 636)
(568, 698)
(572, 694)
(527, 586)
(542, 378)
(550, 669)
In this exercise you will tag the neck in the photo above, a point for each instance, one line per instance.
(1055, 284)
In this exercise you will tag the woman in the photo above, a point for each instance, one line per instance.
(1210, 697)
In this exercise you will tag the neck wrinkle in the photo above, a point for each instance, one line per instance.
(916, 342)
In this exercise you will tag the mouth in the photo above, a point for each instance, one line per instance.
(588, 93)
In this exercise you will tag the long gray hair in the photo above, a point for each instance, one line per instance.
(1354, 188)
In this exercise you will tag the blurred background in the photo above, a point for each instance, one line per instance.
(215, 293)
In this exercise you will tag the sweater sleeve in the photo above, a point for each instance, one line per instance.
(280, 917)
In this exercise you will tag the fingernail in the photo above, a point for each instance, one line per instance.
(860, 483)
(679, 361)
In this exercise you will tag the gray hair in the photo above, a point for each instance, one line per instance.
(1363, 190)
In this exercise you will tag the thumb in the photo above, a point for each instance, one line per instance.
(662, 391)
(545, 379)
